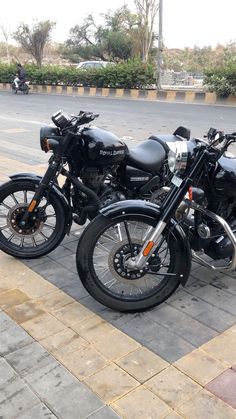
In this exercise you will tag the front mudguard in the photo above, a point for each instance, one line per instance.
(55, 189)
(137, 207)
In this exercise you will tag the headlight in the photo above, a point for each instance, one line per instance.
(178, 156)
(49, 138)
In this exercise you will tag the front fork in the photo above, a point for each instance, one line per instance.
(43, 185)
(170, 205)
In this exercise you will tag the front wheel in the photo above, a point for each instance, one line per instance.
(14, 89)
(103, 250)
(25, 89)
(44, 230)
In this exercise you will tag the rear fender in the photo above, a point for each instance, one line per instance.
(131, 207)
(54, 188)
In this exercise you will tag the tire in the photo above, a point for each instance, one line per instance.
(25, 89)
(99, 271)
(42, 235)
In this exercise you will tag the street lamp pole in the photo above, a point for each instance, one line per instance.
(160, 47)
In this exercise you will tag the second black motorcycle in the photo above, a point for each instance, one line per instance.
(98, 169)
(135, 254)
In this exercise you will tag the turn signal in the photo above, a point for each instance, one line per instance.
(48, 144)
(148, 248)
(190, 193)
(32, 206)
(45, 145)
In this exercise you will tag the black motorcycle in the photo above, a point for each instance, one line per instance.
(98, 168)
(134, 255)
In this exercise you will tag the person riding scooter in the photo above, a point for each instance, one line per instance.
(20, 76)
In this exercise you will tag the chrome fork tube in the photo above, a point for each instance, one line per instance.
(139, 261)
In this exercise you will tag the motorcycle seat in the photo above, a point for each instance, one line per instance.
(148, 155)
(164, 140)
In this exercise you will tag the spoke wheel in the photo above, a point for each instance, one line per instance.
(111, 252)
(42, 232)
(102, 255)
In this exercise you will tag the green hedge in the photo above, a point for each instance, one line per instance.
(132, 74)
(221, 80)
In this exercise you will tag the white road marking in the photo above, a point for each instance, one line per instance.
(5, 118)
(14, 130)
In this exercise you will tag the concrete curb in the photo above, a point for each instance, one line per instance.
(152, 95)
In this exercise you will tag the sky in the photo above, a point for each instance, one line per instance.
(185, 22)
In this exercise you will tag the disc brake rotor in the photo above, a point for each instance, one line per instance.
(32, 227)
(120, 253)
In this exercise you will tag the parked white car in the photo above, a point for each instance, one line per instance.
(86, 65)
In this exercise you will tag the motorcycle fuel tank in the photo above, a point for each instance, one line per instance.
(225, 177)
(103, 147)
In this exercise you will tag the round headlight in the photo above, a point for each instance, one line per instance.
(172, 157)
(178, 156)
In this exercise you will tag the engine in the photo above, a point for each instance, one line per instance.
(100, 183)
(93, 178)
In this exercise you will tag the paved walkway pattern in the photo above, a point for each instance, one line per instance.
(64, 355)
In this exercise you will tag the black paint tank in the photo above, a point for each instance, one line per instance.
(225, 177)
(102, 147)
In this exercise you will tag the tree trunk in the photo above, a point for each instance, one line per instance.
(147, 10)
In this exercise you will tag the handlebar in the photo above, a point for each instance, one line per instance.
(231, 136)
(85, 117)
(218, 136)
(215, 138)
(66, 123)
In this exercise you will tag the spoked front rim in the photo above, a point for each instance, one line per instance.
(39, 230)
(113, 247)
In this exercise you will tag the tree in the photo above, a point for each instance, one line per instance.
(5, 33)
(147, 11)
(33, 40)
(83, 40)
(121, 20)
(115, 40)
(120, 33)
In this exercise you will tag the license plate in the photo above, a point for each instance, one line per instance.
(176, 181)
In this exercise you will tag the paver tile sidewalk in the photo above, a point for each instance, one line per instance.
(56, 366)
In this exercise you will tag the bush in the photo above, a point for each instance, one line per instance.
(132, 74)
(222, 81)
(7, 73)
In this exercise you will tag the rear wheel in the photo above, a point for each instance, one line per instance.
(103, 250)
(43, 231)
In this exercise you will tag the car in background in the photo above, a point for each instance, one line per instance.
(87, 65)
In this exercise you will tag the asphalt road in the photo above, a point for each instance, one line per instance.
(21, 118)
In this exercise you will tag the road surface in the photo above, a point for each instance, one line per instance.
(21, 117)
